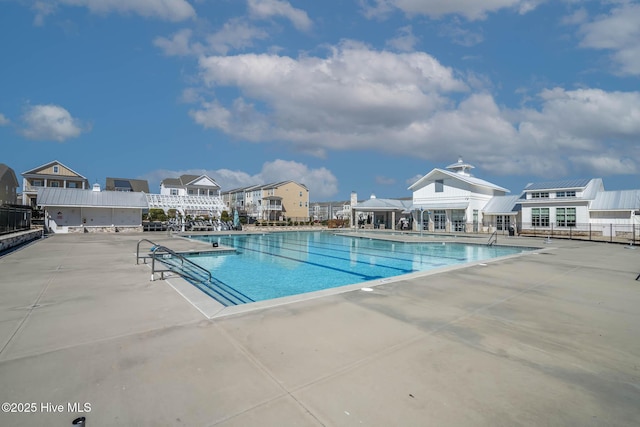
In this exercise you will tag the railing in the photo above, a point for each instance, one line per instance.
(166, 253)
(198, 275)
(493, 239)
(13, 219)
(603, 232)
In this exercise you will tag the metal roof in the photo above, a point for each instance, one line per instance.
(616, 200)
(466, 178)
(382, 204)
(558, 185)
(502, 205)
(51, 196)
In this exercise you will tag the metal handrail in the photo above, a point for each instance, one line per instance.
(156, 248)
(494, 237)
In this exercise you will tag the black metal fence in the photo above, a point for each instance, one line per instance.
(13, 218)
(602, 232)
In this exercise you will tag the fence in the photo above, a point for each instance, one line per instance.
(14, 219)
(602, 232)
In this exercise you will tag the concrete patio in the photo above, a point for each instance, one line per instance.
(551, 338)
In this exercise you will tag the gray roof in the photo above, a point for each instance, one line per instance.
(502, 205)
(616, 200)
(112, 184)
(465, 178)
(558, 185)
(52, 196)
(6, 170)
(383, 204)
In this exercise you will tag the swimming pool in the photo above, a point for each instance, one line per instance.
(274, 265)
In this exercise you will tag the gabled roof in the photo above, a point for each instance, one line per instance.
(502, 205)
(136, 185)
(185, 180)
(590, 189)
(280, 184)
(46, 165)
(464, 178)
(7, 171)
(202, 180)
(621, 200)
(56, 196)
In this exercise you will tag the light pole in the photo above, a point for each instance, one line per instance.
(421, 223)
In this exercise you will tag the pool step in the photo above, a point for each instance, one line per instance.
(216, 289)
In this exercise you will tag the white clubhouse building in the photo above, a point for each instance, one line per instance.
(453, 200)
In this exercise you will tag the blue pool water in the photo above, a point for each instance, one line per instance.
(268, 266)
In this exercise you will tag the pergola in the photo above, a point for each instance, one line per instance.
(187, 205)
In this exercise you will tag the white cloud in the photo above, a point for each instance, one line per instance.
(471, 9)
(264, 9)
(321, 182)
(179, 44)
(169, 10)
(357, 98)
(319, 103)
(619, 32)
(42, 10)
(405, 41)
(3, 120)
(50, 122)
(235, 34)
(460, 35)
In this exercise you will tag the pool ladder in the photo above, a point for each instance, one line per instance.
(177, 263)
(493, 239)
(164, 254)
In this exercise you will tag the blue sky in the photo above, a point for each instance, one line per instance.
(341, 95)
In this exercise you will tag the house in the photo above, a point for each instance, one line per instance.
(235, 199)
(50, 175)
(190, 185)
(8, 185)
(451, 199)
(81, 211)
(127, 184)
(276, 201)
(286, 199)
(559, 204)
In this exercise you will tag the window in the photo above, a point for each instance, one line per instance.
(439, 185)
(55, 169)
(36, 183)
(540, 217)
(566, 217)
(560, 194)
(174, 192)
(540, 195)
(72, 185)
(190, 192)
(300, 204)
(301, 194)
(55, 184)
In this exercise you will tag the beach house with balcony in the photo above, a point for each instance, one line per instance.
(50, 175)
(190, 185)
